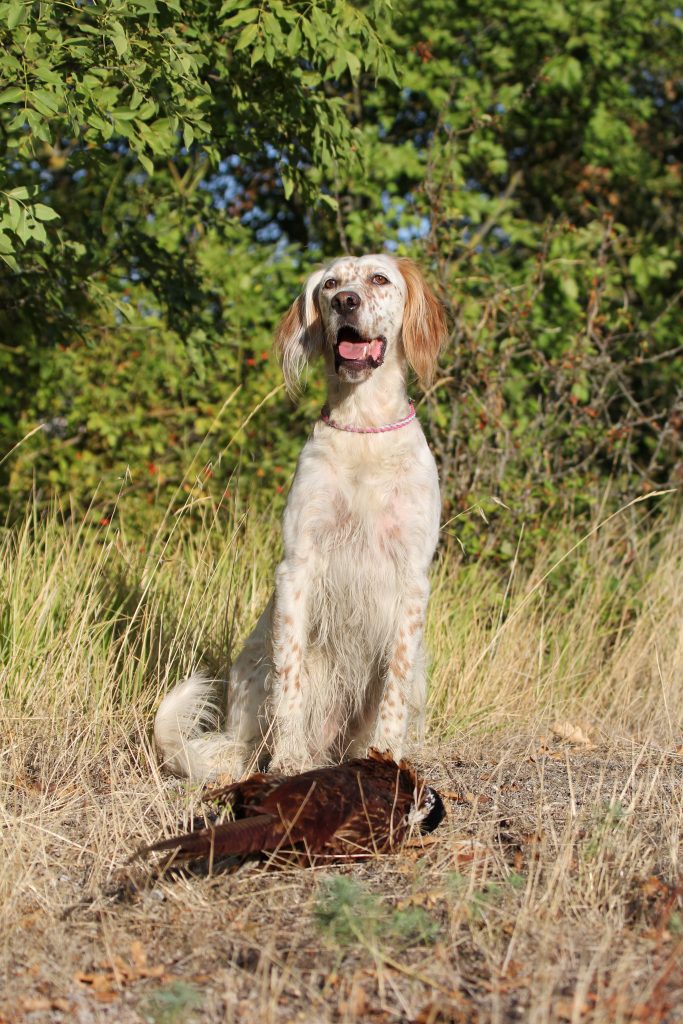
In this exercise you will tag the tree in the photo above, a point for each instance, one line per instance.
(534, 153)
(202, 158)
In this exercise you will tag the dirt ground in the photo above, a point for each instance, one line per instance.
(552, 893)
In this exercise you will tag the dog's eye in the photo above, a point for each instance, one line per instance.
(379, 279)
(330, 283)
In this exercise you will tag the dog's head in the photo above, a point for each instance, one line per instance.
(360, 314)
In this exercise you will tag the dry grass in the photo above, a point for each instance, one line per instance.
(551, 895)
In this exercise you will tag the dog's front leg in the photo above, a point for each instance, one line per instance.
(288, 710)
(404, 683)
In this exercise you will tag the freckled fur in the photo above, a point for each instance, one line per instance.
(335, 663)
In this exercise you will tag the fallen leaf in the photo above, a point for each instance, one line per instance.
(571, 733)
(565, 1010)
(470, 853)
(357, 1001)
(31, 1004)
(654, 886)
(441, 1012)
(138, 954)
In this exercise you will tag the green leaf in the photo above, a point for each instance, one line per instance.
(124, 114)
(569, 287)
(146, 163)
(580, 392)
(47, 99)
(118, 38)
(14, 213)
(22, 228)
(6, 245)
(36, 231)
(10, 261)
(272, 27)
(352, 62)
(564, 71)
(246, 37)
(12, 95)
(15, 14)
(43, 212)
(241, 18)
(294, 41)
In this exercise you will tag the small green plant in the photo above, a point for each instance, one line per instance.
(172, 1004)
(348, 914)
(606, 830)
(481, 900)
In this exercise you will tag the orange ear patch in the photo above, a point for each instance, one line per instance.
(424, 322)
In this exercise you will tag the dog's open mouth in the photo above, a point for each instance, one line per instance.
(357, 353)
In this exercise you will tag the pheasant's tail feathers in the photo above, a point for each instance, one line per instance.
(239, 838)
(386, 757)
(381, 755)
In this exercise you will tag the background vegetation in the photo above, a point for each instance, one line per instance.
(172, 170)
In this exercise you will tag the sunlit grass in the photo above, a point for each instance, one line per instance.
(97, 624)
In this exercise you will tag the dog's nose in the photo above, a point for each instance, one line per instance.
(345, 302)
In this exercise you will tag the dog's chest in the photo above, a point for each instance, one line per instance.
(367, 513)
(363, 509)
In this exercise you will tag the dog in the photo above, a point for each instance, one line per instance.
(336, 664)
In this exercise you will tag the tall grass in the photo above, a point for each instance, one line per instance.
(597, 632)
(95, 625)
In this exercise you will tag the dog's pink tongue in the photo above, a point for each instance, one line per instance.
(360, 349)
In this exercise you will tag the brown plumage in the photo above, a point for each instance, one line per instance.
(365, 806)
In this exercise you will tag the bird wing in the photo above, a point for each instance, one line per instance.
(377, 812)
(310, 807)
(247, 792)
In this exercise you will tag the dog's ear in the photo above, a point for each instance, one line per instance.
(424, 322)
(300, 335)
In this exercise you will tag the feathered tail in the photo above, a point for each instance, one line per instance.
(261, 832)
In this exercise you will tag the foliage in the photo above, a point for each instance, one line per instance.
(173, 169)
(536, 151)
(126, 267)
(347, 913)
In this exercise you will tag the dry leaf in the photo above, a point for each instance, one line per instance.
(31, 1004)
(572, 734)
(654, 886)
(357, 1001)
(470, 853)
(452, 794)
(442, 1012)
(115, 972)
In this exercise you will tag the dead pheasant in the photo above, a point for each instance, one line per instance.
(354, 810)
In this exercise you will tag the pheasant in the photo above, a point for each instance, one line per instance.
(354, 810)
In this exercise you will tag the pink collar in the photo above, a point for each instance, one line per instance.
(325, 417)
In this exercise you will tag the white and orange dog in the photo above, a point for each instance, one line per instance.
(336, 663)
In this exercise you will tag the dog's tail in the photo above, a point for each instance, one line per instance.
(187, 732)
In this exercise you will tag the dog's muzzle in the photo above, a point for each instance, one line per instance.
(353, 352)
